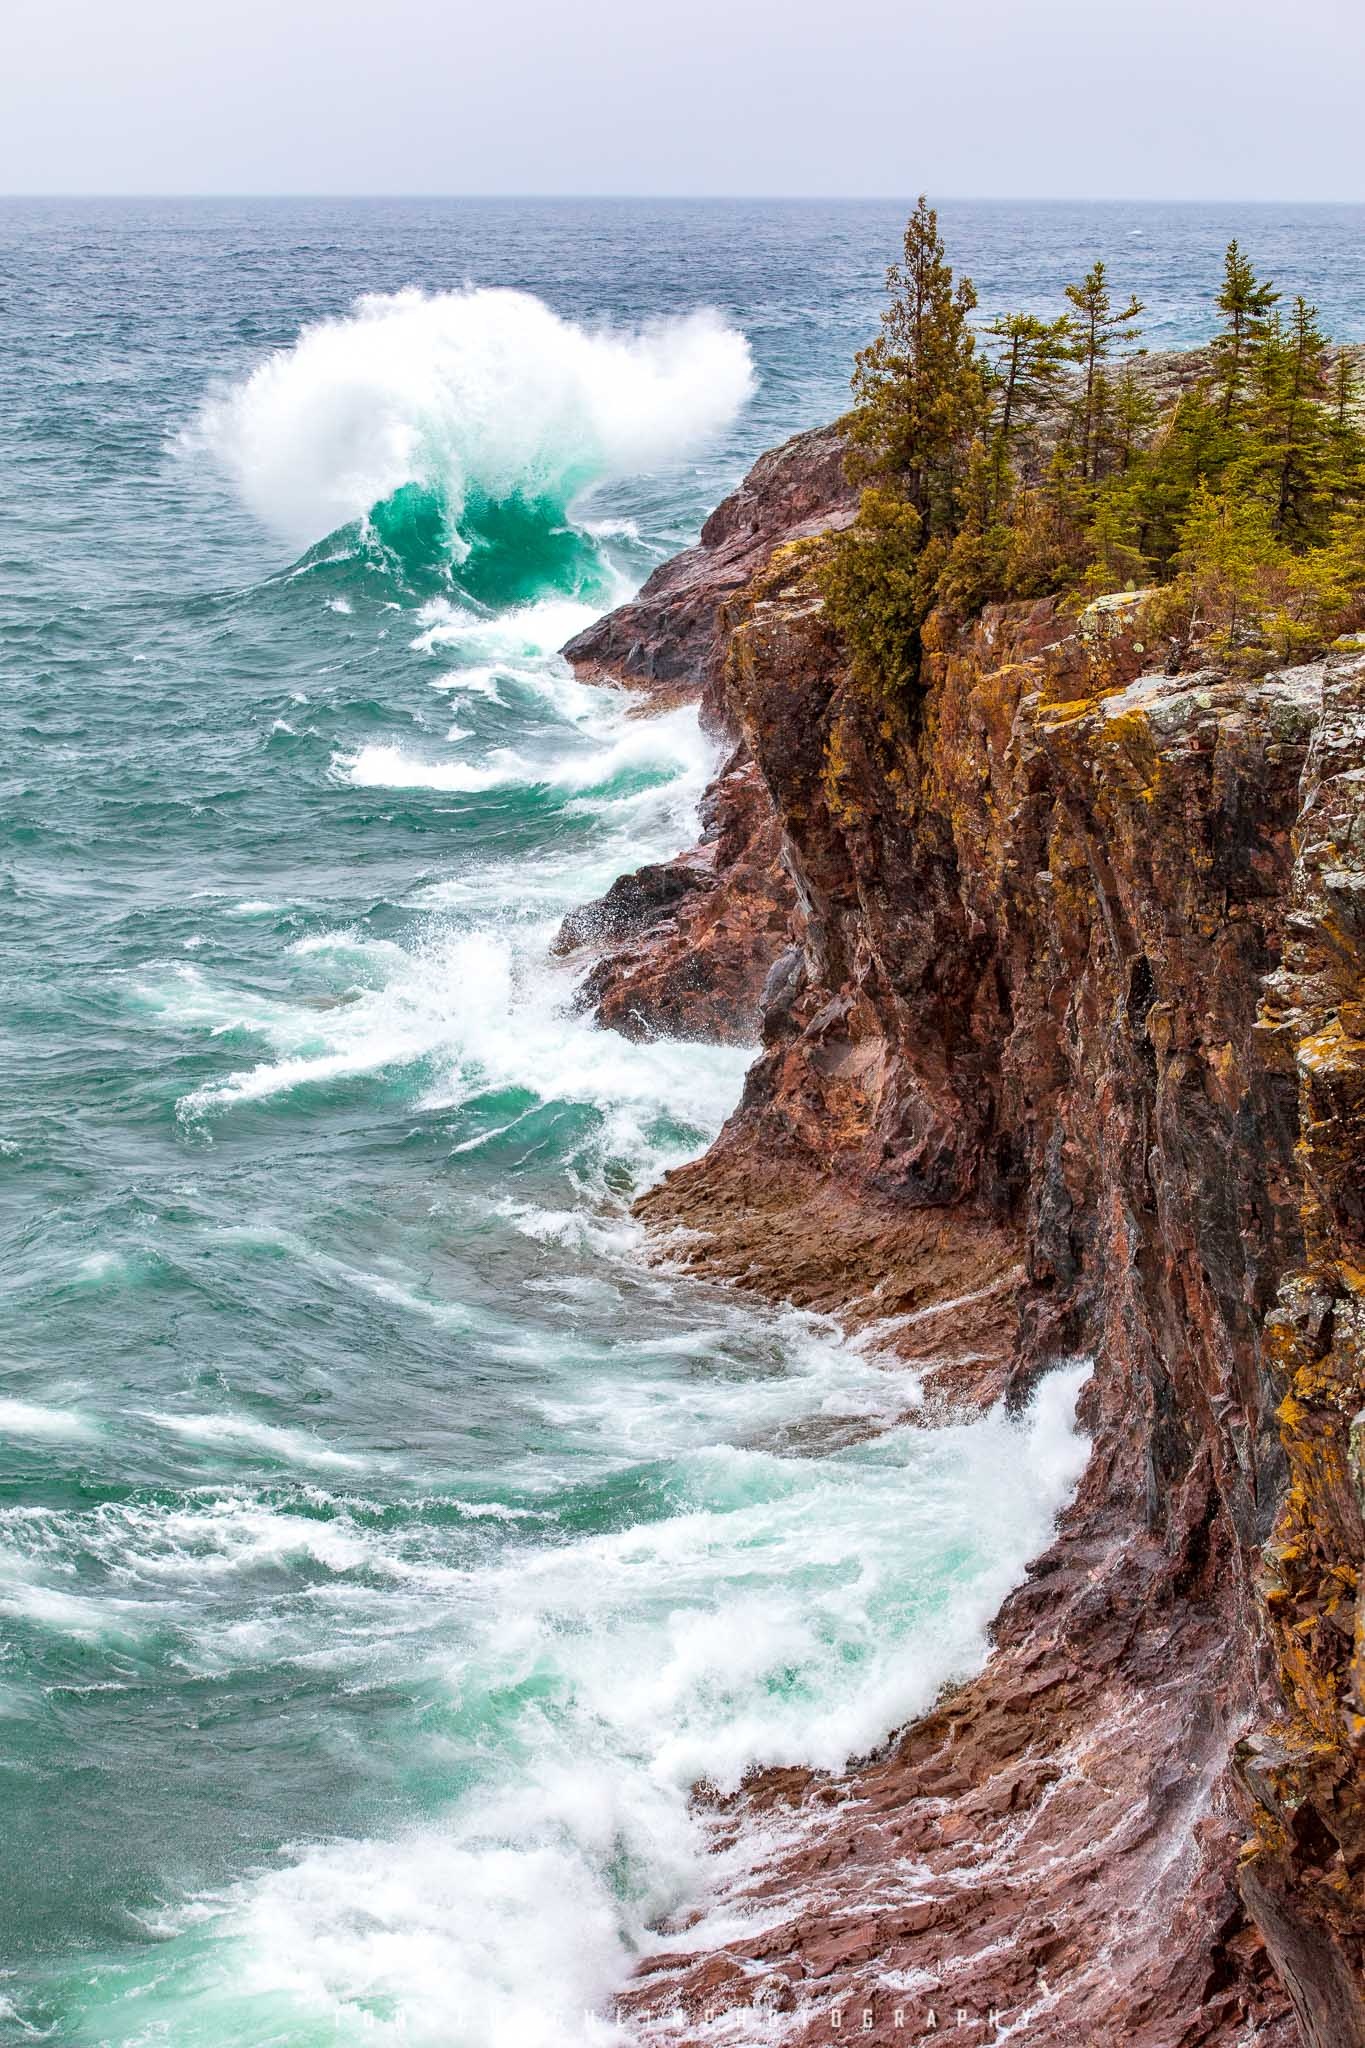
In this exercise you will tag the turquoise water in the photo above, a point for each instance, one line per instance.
(385, 1546)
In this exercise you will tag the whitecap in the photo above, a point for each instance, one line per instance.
(96, 1269)
(26, 1597)
(28, 1419)
(795, 1611)
(669, 748)
(478, 681)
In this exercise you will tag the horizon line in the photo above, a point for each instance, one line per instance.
(691, 198)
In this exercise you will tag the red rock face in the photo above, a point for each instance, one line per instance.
(1066, 1055)
(665, 641)
(686, 946)
(1303, 1870)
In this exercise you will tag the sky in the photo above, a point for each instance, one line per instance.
(1143, 99)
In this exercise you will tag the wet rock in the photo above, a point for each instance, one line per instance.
(687, 946)
(665, 641)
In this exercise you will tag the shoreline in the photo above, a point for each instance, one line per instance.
(1027, 1084)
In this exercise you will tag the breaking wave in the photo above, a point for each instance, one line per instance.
(464, 424)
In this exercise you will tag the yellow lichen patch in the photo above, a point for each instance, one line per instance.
(1124, 743)
(791, 558)
(839, 781)
(1052, 716)
(1330, 1051)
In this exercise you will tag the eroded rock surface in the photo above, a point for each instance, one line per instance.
(1303, 1870)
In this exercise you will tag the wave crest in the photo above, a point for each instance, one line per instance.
(482, 397)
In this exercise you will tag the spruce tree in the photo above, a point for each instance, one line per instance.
(1099, 325)
(1346, 460)
(1244, 497)
(1029, 365)
(1116, 558)
(919, 389)
(1289, 452)
(975, 569)
(1245, 304)
(919, 409)
(1190, 447)
(1344, 383)
(1341, 565)
(1128, 421)
(1228, 553)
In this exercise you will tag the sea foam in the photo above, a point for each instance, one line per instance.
(794, 1611)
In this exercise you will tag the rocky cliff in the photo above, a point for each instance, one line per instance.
(684, 947)
(1063, 1052)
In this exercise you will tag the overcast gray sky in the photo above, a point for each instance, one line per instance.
(1238, 99)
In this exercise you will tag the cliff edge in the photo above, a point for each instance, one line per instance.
(1060, 986)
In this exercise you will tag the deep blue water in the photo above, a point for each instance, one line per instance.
(385, 1546)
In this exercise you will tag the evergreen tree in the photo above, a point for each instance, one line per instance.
(1128, 421)
(1116, 558)
(1029, 365)
(1245, 304)
(1344, 382)
(919, 389)
(1098, 326)
(1289, 451)
(919, 409)
(1228, 555)
(1342, 563)
(1347, 443)
(1050, 546)
(873, 591)
(1244, 499)
(975, 568)
(1191, 446)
